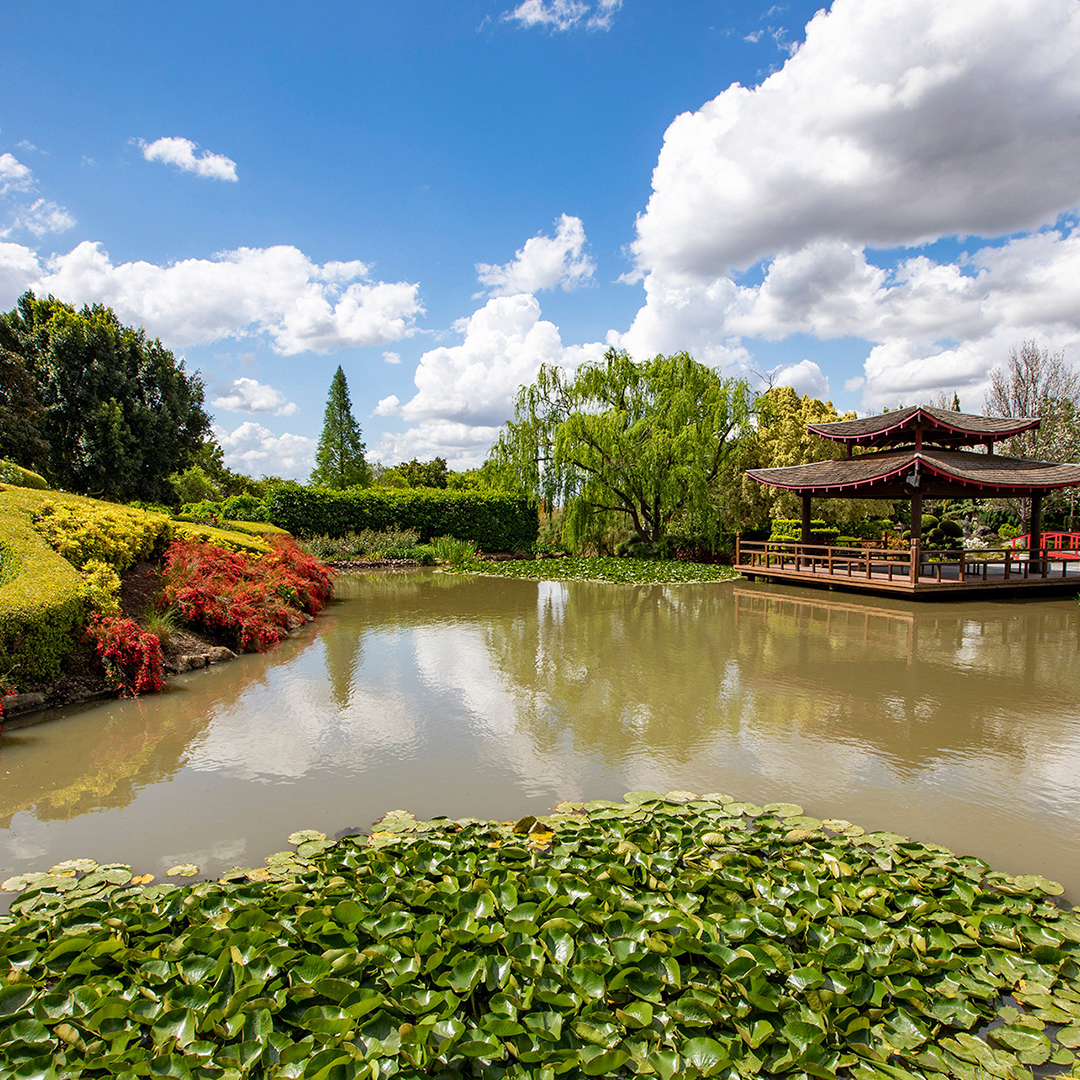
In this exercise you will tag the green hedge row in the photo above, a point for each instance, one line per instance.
(42, 601)
(496, 521)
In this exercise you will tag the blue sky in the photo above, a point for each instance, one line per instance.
(873, 202)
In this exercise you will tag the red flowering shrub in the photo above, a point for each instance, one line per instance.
(252, 600)
(130, 655)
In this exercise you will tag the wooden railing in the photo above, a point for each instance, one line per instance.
(912, 564)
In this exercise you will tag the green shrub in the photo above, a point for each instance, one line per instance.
(1008, 532)
(458, 553)
(17, 476)
(495, 520)
(43, 604)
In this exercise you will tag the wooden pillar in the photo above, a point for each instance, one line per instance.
(916, 516)
(805, 532)
(1035, 529)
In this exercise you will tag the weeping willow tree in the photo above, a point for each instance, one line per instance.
(622, 442)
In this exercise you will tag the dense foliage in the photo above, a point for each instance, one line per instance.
(497, 521)
(252, 600)
(640, 444)
(119, 412)
(21, 414)
(671, 936)
(130, 656)
(339, 457)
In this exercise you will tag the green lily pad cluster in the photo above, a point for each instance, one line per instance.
(666, 936)
(606, 568)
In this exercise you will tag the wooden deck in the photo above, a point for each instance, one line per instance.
(915, 573)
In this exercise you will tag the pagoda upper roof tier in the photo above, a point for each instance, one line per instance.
(936, 473)
(941, 426)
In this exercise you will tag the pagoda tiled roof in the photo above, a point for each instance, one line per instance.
(885, 472)
(938, 425)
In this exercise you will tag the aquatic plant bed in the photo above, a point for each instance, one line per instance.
(666, 936)
(619, 571)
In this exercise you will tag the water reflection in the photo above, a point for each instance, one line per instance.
(953, 722)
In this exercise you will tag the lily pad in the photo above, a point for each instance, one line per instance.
(182, 870)
(73, 865)
(305, 834)
(638, 797)
(783, 809)
(1037, 883)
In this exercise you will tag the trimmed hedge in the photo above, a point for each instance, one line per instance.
(44, 605)
(17, 476)
(495, 520)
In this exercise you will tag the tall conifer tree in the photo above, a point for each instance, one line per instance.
(339, 459)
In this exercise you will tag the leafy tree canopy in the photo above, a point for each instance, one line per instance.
(637, 443)
(782, 439)
(21, 415)
(428, 474)
(119, 412)
(339, 458)
(1036, 382)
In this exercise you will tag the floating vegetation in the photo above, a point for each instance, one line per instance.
(607, 568)
(669, 935)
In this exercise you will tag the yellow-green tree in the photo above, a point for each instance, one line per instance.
(782, 439)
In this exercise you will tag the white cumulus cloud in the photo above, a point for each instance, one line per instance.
(14, 175)
(42, 217)
(804, 378)
(252, 396)
(278, 291)
(562, 15)
(896, 123)
(173, 150)
(466, 392)
(256, 451)
(544, 262)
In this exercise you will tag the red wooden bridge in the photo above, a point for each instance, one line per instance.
(1065, 545)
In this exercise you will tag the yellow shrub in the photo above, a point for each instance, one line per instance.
(226, 538)
(255, 528)
(101, 584)
(84, 530)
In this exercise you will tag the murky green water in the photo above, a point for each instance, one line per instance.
(952, 722)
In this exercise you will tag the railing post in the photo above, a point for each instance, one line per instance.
(963, 559)
(738, 548)
(914, 560)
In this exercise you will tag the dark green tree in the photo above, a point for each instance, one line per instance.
(22, 415)
(427, 474)
(339, 458)
(120, 412)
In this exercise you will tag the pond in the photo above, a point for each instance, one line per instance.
(956, 723)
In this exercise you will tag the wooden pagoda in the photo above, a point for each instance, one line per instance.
(915, 454)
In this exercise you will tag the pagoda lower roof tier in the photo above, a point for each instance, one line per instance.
(942, 426)
(899, 474)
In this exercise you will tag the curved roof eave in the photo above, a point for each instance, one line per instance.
(965, 425)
